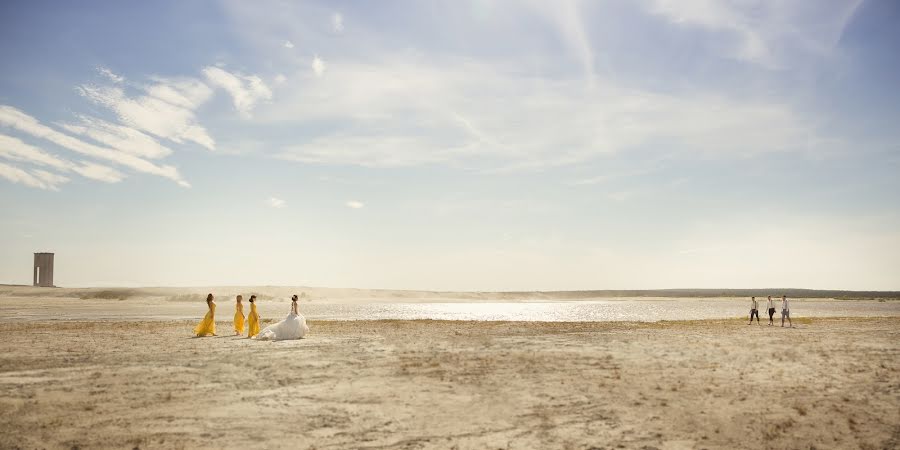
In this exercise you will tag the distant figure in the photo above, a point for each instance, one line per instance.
(771, 308)
(252, 319)
(754, 310)
(207, 326)
(292, 327)
(786, 311)
(239, 316)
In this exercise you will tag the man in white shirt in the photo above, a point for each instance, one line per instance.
(770, 307)
(754, 310)
(786, 311)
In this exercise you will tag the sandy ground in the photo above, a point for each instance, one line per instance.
(830, 383)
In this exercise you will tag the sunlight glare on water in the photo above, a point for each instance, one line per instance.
(585, 311)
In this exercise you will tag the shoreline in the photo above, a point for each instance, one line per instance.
(399, 295)
(620, 310)
(804, 320)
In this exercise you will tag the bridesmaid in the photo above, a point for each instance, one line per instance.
(239, 316)
(252, 319)
(207, 326)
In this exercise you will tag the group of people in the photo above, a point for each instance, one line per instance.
(292, 327)
(770, 306)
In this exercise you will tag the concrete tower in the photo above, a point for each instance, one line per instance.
(43, 269)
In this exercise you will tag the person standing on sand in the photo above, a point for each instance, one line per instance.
(786, 311)
(754, 310)
(207, 326)
(239, 316)
(771, 308)
(292, 327)
(252, 319)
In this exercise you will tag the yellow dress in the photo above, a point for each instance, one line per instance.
(207, 326)
(253, 321)
(239, 318)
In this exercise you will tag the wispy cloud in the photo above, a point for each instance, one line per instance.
(38, 179)
(318, 66)
(337, 22)
(354, 204)
(566, 19)
(408, 112)
(110, 75)
(14, 149)
(288, 44)
(119, 137)
(764, 31)
(104, 173)
(166, 109)
(246, 90)
(603, 178)
(276, 202)
(13, 118)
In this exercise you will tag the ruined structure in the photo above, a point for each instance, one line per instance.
(43, 269)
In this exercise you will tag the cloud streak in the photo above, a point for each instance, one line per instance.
(166, 109)
(318, 66)
(110, 75)
(39, 179)
(14, 149)
(403, 113)
(246, 91)
(13, 118)
(119, 137)
(763, 32)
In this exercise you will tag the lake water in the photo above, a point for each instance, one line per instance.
(644, 310)
(590, 311)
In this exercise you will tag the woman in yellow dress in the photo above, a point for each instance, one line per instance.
(207, 326)
(252, 319)
(239, 316)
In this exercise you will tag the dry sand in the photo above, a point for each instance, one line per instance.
(830, 383)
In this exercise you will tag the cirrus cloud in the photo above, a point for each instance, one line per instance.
(18, 120)
(246, 90)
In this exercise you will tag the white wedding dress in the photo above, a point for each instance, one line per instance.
(292, 327)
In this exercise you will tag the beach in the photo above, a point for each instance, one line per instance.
(827, 383)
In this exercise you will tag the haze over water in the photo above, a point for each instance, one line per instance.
(644, 310)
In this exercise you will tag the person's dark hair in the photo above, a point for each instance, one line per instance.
(240, 297)
(209, 298)
(294, 298)
(752, 298)
(252, 298)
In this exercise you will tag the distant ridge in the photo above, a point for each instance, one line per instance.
(757, 292)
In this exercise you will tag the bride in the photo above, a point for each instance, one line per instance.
(292, 327)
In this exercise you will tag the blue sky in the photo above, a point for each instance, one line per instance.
(466, 145)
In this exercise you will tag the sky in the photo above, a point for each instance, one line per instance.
(452, 145)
